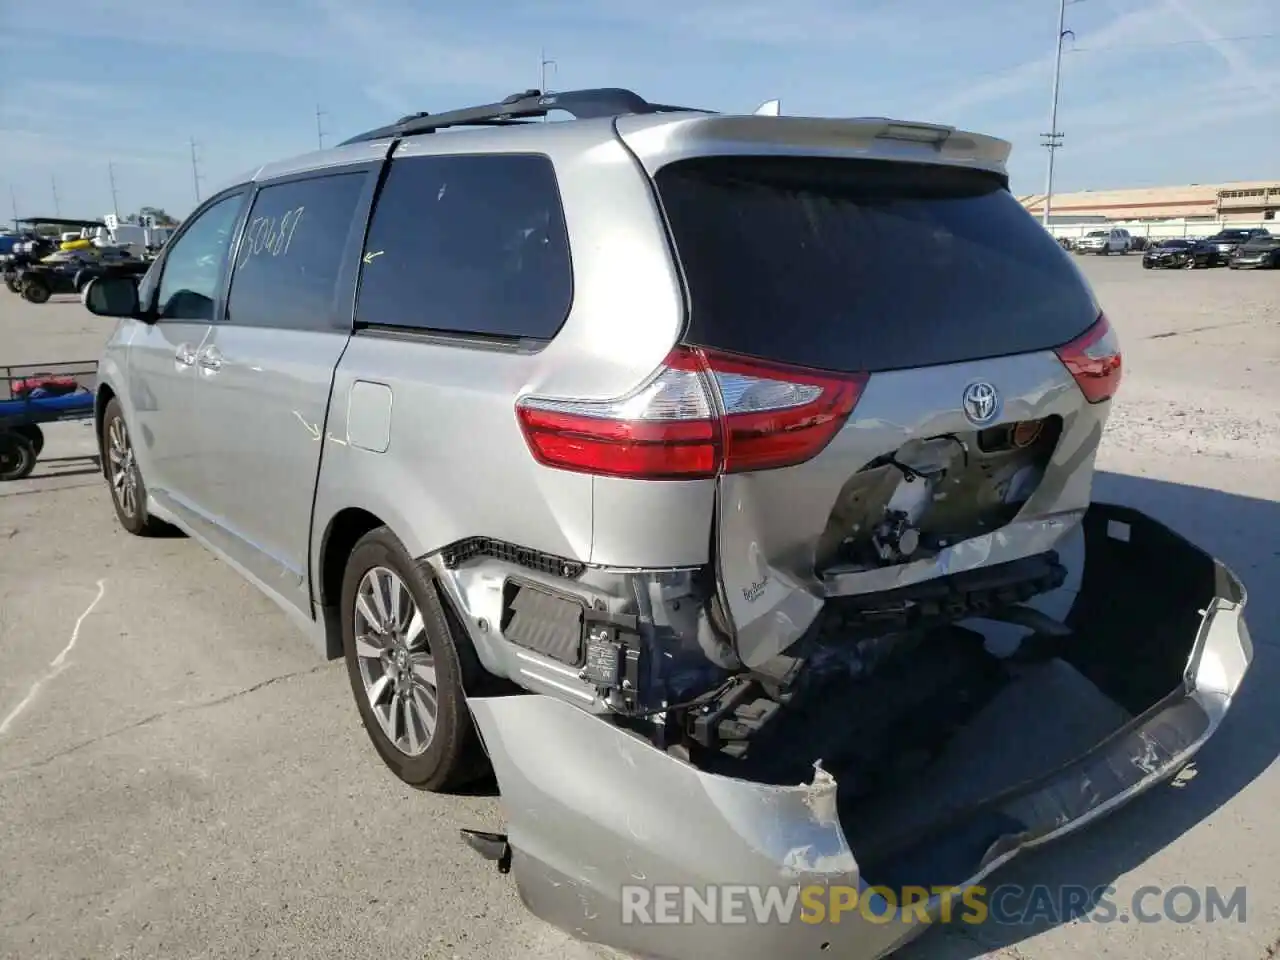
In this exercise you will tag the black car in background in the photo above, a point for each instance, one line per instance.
(1226, 241)
(1185, 254)
(1260, 253)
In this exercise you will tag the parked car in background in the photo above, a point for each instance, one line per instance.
(69, 271)
(1104, 242)
(1259, 252)
(1185, 254)
(1226, 241)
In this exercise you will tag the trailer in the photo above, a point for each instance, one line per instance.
(35, 394)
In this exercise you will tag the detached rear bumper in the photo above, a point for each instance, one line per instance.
(595, 813)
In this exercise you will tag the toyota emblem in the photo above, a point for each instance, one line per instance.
(981, 403)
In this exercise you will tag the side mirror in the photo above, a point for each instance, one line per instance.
(112, 296)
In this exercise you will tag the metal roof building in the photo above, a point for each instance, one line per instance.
(1242, 200)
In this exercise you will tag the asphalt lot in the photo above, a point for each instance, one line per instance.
(181, 776)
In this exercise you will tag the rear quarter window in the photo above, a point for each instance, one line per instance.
(866, 265)
(473, 245)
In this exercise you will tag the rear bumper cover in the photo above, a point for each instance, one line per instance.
(593, 809)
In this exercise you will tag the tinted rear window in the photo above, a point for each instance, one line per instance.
(472, 244)
(866, 265)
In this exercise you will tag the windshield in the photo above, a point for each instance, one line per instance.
(865, 265)
(1176, 244)
(1097, 233)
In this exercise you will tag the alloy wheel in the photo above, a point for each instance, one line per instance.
(122, 468)
(395, 661)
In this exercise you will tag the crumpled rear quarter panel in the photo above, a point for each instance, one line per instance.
(592, 808)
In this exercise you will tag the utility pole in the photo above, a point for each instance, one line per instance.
(115, 202)
(1053, 139)
(542, 74)
(195, 170)
(57, 208)
(319, 129)
(13, 199)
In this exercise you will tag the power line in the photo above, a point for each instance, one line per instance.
(1172, 43)
(115, 202)
(542, 74)
(319, 129)
(195, 170)
(1053, 139)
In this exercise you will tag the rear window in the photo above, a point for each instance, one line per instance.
(866, 265)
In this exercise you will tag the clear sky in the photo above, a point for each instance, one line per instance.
(1153, 92)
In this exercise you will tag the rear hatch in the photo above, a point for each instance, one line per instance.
(896, 322)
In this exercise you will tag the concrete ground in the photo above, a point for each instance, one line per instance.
(181, 776)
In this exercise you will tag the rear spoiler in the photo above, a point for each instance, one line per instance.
(658, 140)
(893, 129)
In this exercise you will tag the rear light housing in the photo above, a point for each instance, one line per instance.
(1095, 361)
(700, 415)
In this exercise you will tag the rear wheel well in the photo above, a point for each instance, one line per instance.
(105, 396)
(345, 530)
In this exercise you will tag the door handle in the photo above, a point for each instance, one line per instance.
(185, 355)
(210, 359)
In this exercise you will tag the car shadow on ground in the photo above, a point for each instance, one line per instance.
(1240, 532)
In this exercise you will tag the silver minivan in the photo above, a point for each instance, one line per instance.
(720, 482)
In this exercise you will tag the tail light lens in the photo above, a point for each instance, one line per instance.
(700, 415)
(1095, 361)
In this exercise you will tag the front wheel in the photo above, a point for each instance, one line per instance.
(11, 281)
(124, 479)
(33, 433)
(36, 290)
(17, 456)
(406, 667)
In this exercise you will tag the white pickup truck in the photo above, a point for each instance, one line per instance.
(1105, 242)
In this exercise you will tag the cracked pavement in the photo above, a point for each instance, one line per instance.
(194, 781)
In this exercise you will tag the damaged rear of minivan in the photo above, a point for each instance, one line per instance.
(916, 647)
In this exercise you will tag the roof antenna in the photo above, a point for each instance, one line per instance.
(770, 108)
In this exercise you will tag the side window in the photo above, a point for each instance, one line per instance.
(289, 257)
(194, 264)
(468, 244)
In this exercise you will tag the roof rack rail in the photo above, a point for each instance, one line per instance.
(523, 107)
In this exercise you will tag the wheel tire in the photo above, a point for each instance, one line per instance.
(17, 456)
(1146, 265)
(11, 281)
(131, 512)
(1190, 264)
(453, 755)
(35, 290)
(33, 433)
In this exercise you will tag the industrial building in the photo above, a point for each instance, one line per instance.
(1241, 201)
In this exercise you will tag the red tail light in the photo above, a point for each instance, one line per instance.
(1095, 361)
(701, 414)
